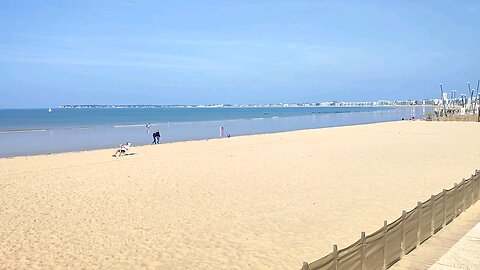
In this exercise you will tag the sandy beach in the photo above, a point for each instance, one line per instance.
(266, 201)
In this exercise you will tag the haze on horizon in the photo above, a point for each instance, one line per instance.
(151, 52)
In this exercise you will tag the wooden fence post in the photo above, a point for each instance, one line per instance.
(476, 180)
(474, 183)
(455, 200)
(402, 245)
(472, 187)
(362, 241)
(432, 221)
(444, 208)
(385, 245)
(477, 172)
(335, 256)
(419, 226)
(463, 195)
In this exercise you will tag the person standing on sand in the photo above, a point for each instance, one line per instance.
(222, 132)
(148, 127)
(158, 136)
(154, 138)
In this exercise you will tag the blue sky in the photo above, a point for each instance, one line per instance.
(195, 52)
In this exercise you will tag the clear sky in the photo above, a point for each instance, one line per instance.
(196, 52)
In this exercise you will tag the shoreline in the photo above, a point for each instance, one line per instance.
(84, 138)
(198, 140)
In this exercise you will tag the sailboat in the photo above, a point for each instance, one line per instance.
(49, 109)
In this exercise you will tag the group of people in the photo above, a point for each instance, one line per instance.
(411, 118)
(123, 148)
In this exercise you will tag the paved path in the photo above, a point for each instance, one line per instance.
(463, 255)
(457, 246)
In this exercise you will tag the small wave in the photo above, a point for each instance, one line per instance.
(80, 128)
(22, 131)
(125, 126)
(276, 116)
(259, 118)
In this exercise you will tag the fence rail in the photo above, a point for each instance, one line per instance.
(389, 244)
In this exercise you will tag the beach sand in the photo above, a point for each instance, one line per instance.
(266, 201)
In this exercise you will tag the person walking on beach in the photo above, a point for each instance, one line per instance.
(148, 127)
(156, 137)
(222, 132)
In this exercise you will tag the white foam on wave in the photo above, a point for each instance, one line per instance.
(126, 126)
(80, 128)
(22, 131)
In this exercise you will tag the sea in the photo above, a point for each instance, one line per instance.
(38, 131)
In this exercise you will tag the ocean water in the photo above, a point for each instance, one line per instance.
(36, 131)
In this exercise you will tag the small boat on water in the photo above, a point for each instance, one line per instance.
(49, 109)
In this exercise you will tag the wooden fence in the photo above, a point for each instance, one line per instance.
(460, 118)
(389, 244)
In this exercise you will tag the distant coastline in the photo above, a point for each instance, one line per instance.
(408, 103)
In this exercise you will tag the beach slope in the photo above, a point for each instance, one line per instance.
(254, 202)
